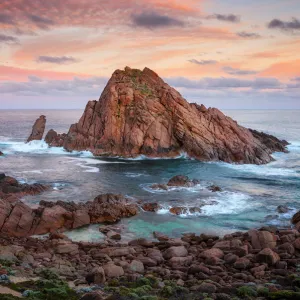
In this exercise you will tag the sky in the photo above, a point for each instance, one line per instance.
(230, 54)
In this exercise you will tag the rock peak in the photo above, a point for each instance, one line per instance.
(38, 129)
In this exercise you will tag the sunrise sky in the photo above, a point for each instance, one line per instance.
(223, 53)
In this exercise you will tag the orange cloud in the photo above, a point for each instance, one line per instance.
(19, 74)
(283, 69)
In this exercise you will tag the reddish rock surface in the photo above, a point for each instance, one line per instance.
(38, 129)
(138, 113)
(11, 190)
(55, 139)
(18, 219)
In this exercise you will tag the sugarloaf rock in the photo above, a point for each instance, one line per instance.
(139, 114)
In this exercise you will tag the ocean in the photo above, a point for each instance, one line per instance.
(249, 198)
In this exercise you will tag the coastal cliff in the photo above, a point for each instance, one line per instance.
(139, 114)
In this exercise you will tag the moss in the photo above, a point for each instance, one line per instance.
(282, 295)
(6, 263)
(263, 292)
(246, 292)
(8, 297)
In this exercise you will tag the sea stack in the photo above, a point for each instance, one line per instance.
(139, 114)
(38, 129)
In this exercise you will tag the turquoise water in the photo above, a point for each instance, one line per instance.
(250, 193)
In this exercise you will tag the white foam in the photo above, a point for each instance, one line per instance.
(182, 155)
(134, 175)
(194, 189)
(40, 147)
(228, 203)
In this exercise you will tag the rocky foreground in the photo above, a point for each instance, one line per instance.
(258, 264)
(139, 114)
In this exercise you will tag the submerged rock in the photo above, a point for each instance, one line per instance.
(181, 180)
(139, 114)
(282, 209)
(38, 129)
(215, 188)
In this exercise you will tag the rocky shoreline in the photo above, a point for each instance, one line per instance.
(257, 264)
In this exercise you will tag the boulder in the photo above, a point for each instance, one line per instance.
(179, 251)
(113, 271)
(159, 186)
(267, 256)
(139, 114)
(38, 129)
(136, 266)
(262, 239)
(96, 276)
(214, 252)
(1, 153)
(114, 235)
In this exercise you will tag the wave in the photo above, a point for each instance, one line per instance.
(228, 203)
(194, 189)
(182, 155)
(40, 147)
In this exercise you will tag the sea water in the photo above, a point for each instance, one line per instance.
(250, 193)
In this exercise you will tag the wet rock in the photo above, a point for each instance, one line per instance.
(54, 139)
(182, 181)
(151, 207)
(113, 235)
(159, 186)
(214, 188)
(184, 210)
(38, 129)
(1, 153)
(282, 209)
(160, 236)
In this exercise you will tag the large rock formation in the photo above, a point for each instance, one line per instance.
(138, 113)
(38, 129)
(20, 220)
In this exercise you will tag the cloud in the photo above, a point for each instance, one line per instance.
(227, 18)
(236, 71)
(154, 20)
(285, 25)
(296, 79)
(60, 60)
(248, 35)
(41, 22)
(6, 19)
(8, 39)
(203, 62)
(87, 87)
(225, 83)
